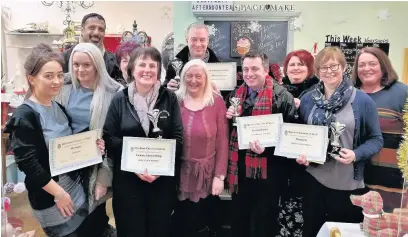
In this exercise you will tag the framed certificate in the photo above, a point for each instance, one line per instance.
(223, 75)
(264, 128)
(74, 152)
(301, 139)
(154, 154)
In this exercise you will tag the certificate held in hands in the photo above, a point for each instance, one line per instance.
(301, 139)
(223, 75)
(74, 152)
(155, 155)
(264, 128)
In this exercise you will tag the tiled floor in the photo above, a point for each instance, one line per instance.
(20, 212)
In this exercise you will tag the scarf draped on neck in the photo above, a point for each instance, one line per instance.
(326, 109)
(144, 104)
(206, 56)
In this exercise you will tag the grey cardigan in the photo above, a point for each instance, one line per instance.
(101, 173)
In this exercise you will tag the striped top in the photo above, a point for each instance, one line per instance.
(383, 170)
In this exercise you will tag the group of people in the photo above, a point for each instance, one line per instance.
(271, 195)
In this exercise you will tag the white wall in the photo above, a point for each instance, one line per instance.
(150, 17)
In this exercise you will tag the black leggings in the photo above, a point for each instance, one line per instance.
(189, 218)
(94, 225)
(322, 204)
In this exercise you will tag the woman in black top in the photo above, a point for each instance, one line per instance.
(142, 203)
(300, 78)
(59, 203)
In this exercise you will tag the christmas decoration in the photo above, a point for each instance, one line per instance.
(254, 26)
(376, 222)
(8, 188)
(315, 49)
(297, 23)
(212, 30)
(383, 15)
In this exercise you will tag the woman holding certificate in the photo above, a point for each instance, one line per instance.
(59, 203)
(87, 90)
(300, 78)
(142, 202)
(354, 138)
(205, 156)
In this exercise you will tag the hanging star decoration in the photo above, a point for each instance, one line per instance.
(254, 26)
(297, 23)
(383, 15)
(166, 10)
(212, 30)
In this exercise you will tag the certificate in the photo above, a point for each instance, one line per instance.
(223, 75)
(264, 128)
(301, 139)
(74, 152)
(155, 155)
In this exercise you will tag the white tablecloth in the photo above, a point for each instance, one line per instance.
(346, 229)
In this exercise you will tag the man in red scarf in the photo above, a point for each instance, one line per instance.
(256, 176)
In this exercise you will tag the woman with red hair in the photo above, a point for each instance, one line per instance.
(300, 78)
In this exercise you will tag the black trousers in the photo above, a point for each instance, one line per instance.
(322, 204)
(143, 209)
(94, 225)
(192, 219)
(255, 206)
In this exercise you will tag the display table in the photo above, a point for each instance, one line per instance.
(346, 229)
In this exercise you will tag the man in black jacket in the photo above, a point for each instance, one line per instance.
(256, 176)
(93, 31)
(197, 39)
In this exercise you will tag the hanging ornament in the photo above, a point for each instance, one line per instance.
(297, 23)
(383, 14)
(254, 26)
(315, 49)
(212, 30)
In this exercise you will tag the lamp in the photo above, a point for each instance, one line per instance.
(68, 7)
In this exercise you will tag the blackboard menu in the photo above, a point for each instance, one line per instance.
(270, 38)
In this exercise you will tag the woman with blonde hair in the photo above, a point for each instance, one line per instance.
(86, 96)
(351, 115)
(205, 152)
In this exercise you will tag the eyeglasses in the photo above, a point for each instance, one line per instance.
(333, 68)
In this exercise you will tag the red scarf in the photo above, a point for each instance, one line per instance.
(255, 164)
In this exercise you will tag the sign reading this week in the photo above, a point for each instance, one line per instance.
(230, 6)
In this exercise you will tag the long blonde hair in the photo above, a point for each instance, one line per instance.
(208, 89)
(105, 86)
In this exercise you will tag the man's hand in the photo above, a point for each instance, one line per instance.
(172, 85)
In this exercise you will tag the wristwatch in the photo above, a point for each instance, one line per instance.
(221, 177)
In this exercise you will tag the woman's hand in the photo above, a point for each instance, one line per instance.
(256, 147)
(101, 146)
(100, 191)
(301, 160)
(147, 177)
(217, 186)
(346, 156)
(64, 204)
(297, 103)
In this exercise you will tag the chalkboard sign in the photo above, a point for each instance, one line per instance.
(269, 37)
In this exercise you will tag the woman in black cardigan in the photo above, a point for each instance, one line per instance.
(59, 203)
(142, 203)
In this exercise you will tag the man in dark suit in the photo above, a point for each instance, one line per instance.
(93, 31)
